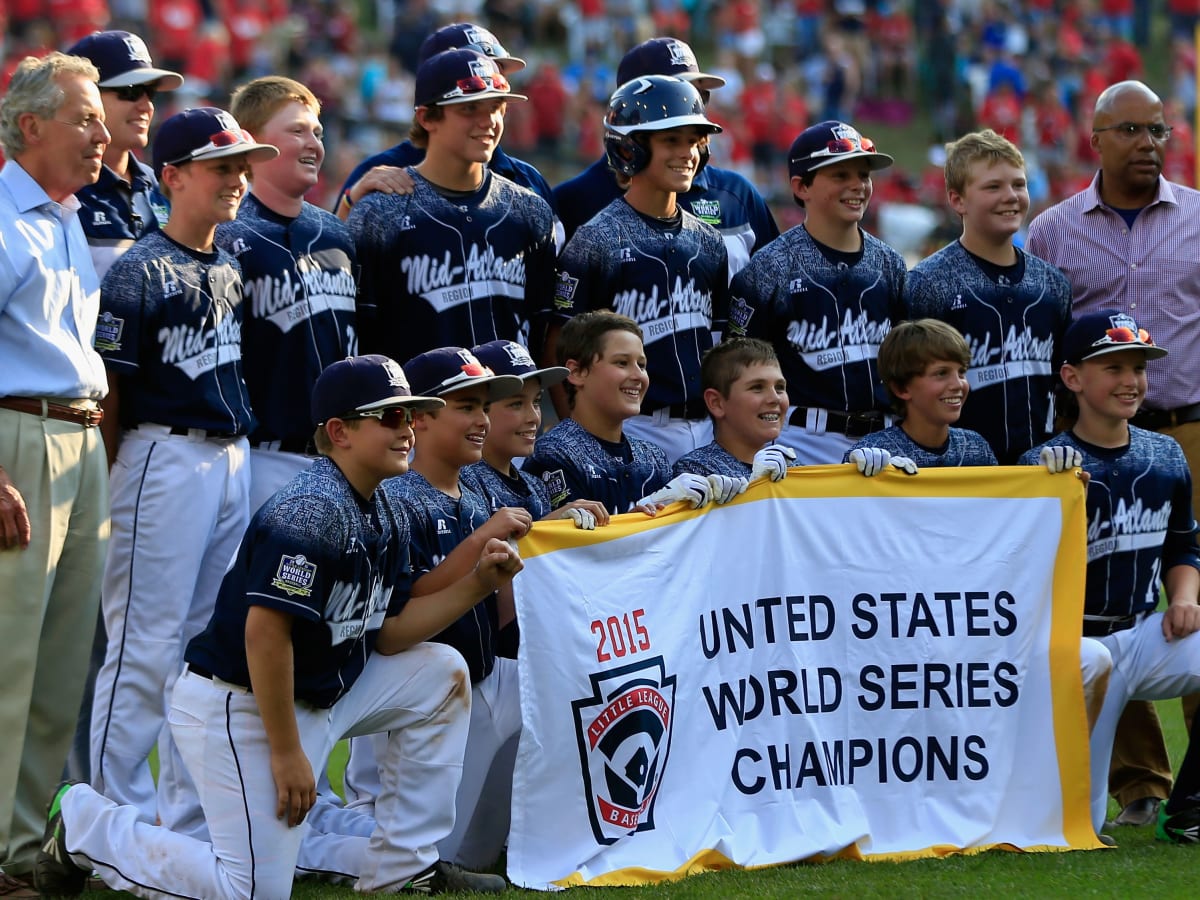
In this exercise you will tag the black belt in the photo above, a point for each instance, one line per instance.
(219, 435)
(1099, 626)
(87, 416)
(291, 445)
(1156, 419)
(693, 409)
(851, 424)
(202, 672)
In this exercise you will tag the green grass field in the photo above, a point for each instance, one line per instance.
(1139, 866)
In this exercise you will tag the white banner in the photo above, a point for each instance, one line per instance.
(831, 664)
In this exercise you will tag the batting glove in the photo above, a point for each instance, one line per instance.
(870, 460)
(695, 489)
(583, 518)
(725, 488)
(905, 465)
(1060, 459)
(772, 461)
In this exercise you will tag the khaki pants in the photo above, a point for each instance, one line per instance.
(49, 595)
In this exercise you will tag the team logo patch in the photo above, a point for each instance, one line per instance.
(707, 211)
(564, 291)
(239, 247)
(518, 355)
(295, 576)
(394, 374)
(740, 313)
(108, 333)
(556, 486)
(624, 736)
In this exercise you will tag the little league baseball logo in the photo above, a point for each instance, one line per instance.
(624, 736)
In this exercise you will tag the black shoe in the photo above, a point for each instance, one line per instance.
(1139, 812)
(446, 878)
(1182, 827)
(54, 872)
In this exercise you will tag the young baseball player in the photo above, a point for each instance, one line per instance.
(1010, 306)
(170, 334)
(468, 256)
(1141, 538)
(746, 396)
(515, 423)
(924, 365)
(298, 275)
(645, 257)
(386, 171)
(825, 294)
(588, 455)
(314, 638)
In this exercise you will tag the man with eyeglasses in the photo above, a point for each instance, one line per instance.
(1128, 241)
(53, 473)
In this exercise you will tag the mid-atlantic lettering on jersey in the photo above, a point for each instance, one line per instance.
(337, 564)
(440, 523)
(451, 272)
(825, 319)
(172, 318)
(298, 278)
(670, 279)
(576, 465)
(1013, 329)
(1140, 524)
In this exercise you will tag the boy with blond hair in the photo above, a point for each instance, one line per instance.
(1011, 307)
(298, 275)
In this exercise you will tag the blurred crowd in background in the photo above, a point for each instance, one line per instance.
(918, 73)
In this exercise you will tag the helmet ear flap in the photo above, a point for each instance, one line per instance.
(626, 155)
(704, 154)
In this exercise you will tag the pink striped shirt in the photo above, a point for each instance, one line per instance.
(1151, 271)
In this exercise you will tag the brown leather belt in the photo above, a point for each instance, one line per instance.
(81, 415)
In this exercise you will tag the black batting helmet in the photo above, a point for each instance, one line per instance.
(650, 103)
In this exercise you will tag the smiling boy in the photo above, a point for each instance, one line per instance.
(824, 294)
(298, 272)
(645, 257)
(1011, 307)
(169, 332)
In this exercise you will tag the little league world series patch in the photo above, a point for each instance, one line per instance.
(108, 333)
(295, 576)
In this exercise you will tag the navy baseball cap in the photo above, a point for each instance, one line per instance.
(666, 56)
(360, 384)
(467, 36)
(510, 358)
(461, 76)
(829, 143)
(1108, 331)
(123, 59)
(448, 369)
(205, 133)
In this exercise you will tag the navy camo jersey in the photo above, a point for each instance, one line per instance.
(576, 465)
(825, 319)
(300, 290)
(1139, 518)
(1014, 329)
(500, 490)
(671, 278)
(170, 325)
(711, 459)
(963, 448)
(440, 272)
(335, 562)
(439, 523)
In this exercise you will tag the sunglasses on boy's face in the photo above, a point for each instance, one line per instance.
(131, 93)
(392, 417)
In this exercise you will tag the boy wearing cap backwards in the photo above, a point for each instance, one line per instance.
(1141, 535)
(1011, 307)
(120, 206)
(169, 332)
(468, 256)
(298, 275)
(824, 294)
(645, 257)
(314, 638)
(723, 198)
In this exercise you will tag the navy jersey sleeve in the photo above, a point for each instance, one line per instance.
(123, 315)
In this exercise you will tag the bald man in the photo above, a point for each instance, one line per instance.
(1128, 241)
